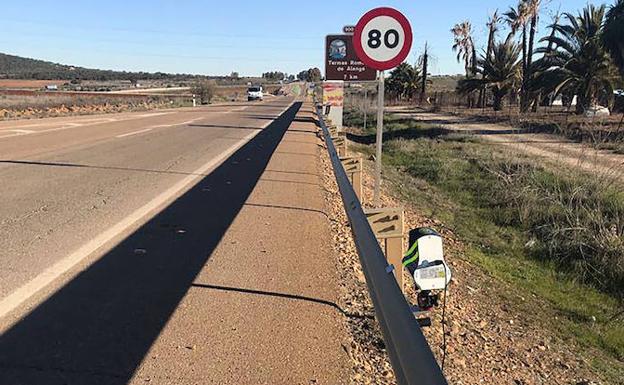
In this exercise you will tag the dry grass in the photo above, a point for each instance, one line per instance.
(24, 83)
(556, 119)
(48, 105)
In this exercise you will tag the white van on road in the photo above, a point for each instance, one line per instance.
(254, 93)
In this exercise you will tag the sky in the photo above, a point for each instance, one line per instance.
(218, 37)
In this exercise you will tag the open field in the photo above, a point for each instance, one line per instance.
(555, 119)
(28, 84)
(510, 210)
(22, 103)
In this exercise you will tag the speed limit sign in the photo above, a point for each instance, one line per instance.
(382, 38)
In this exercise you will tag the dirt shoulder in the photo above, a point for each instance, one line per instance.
(553, 148)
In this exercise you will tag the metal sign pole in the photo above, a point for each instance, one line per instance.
(380, 114)
(365, 105)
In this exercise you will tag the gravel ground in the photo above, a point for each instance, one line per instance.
(364, 345)
(489, 339)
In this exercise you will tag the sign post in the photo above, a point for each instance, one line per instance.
(379, 141)
(365, 106)
(382, 39)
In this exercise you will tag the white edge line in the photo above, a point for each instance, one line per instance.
(134, 133)
(49, 275)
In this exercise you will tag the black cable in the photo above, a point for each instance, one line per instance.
(443, 321)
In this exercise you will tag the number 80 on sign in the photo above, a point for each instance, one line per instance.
(382, 38)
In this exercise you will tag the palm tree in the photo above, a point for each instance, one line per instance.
(579, 65)
(517, 19)
(613, 34)
(500, 72)
(532, 8)
(536, 87)
(532, 11)
(404, 81)
(492, 25)
(526, 15)
(464, 46)
(466, 50)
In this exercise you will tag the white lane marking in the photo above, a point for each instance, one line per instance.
(236, 109)
(19, 131)
(65, 126)
(177, 124)
(93, 122)
(156, 114)
(133, 133)
(36, 125)
(11, 135)
(61, 124)
(141, 215)
(189, 122)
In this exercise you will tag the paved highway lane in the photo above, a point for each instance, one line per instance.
(72, 186)
(218, 266)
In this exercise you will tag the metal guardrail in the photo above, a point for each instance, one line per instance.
(410, 355)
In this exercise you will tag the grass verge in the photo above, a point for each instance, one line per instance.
(554, 235)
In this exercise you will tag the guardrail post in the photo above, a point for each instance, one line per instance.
(388, 225)
(340, 141)
(353, 167)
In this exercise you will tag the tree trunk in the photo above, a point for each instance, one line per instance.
(488, 53)
(423, 90)
(498, 101)
(581, 105)
(536, 101)
(531, 42)
(525, 71)
(526, 75)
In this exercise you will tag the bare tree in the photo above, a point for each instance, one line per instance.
(205, 90)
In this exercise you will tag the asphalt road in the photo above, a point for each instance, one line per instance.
(173, 247)
(65, 181)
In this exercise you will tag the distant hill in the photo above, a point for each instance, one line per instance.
(441, 83)
(16, 67)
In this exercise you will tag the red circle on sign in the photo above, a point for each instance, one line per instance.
(357, 38)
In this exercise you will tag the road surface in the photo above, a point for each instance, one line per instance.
(178, 246)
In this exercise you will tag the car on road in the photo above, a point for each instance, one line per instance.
(254, 93)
